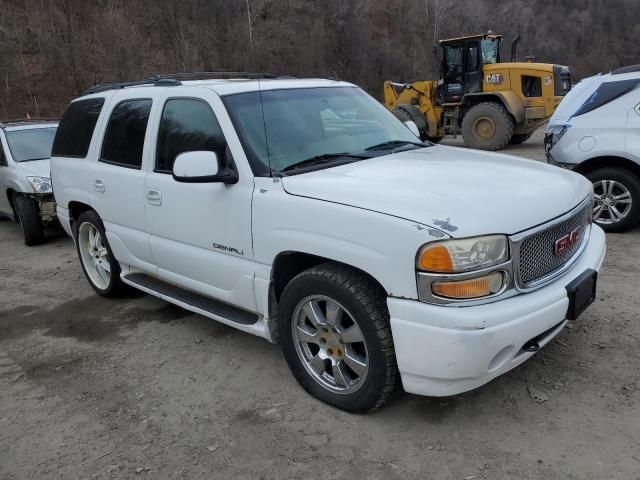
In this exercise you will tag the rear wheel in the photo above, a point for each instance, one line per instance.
(97, 260)
(519, 138)
(616, 194)
(487, 126)
(28, 214)
(336, 337)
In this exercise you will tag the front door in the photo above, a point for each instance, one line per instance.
(5, 207)
(453, 72)
(473, 70)
(200, 232)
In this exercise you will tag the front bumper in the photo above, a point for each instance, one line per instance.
(443, 350)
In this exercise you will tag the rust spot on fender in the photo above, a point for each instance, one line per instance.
(445, 224)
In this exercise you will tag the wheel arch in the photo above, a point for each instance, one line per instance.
(610, 161)
(75, 210)
(286, 265)
(509, 100)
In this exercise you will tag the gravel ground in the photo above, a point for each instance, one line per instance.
(138, 388)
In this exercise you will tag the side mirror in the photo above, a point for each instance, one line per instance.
(201, 167)
(411, 125)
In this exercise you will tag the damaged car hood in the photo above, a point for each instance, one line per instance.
(37, 168)
(458, 191)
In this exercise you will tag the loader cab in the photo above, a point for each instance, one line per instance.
(462, 62)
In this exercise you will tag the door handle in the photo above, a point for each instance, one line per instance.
(154, 197)
(98, 185)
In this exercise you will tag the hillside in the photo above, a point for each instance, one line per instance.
(53, 49)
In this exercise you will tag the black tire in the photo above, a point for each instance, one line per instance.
(365, 301)
(631, 182)
(496, 118)
(28, 215)
(520, 138)
(115, 287)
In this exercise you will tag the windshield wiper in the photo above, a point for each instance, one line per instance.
(395, 143)
(320, 159)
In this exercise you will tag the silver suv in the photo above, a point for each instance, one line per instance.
(26, 194)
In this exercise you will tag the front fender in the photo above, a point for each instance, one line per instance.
(381, 245)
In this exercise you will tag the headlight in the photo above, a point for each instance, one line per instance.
(458, 256)
(40, 184)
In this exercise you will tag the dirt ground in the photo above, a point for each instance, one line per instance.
(138, 388)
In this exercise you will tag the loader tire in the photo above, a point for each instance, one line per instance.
(487, 126)
(520, 138)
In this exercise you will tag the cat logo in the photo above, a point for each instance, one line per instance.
(494, 78)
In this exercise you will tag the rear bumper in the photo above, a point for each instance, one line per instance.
(444, 351)
(65, 219)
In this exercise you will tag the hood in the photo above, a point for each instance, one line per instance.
(36, 168)
(458, 191)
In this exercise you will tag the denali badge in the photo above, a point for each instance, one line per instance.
(566, 242)
(224, 248)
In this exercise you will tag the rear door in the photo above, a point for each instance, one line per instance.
(117, 179)
(200, 232)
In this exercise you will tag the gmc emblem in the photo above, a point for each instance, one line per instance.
(565, 243)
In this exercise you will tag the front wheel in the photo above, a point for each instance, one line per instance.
(616, 194)
(28, 214)
(97, 260)
(487, 126)
(520, 138)
(336, 337)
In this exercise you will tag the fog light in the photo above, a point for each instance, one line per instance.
(471, 288)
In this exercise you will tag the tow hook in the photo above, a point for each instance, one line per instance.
(531, 346)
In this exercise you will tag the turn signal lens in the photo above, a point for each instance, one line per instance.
(436, 258)
(472, 288)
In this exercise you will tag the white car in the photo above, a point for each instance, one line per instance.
(596, 132)
(26, 195)
(304, 212)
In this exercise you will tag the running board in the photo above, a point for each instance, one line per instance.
(186, 297)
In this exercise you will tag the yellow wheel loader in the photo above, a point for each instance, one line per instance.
(489, 102)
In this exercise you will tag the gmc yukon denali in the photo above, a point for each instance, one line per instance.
(302, 211)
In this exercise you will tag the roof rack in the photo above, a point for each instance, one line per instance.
(173, 79)
(213, 75)
(629, 69)
(25, 121)
(104, 87)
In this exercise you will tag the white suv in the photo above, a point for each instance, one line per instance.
(302, 211)
(596, 132)
(26, 195)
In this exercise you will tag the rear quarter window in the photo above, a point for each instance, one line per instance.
(76, 128)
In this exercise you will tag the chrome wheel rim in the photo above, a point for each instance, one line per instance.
(93, 254)
(330, 344)
(612, 202)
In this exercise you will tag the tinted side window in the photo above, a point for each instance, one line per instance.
(76, 128)
(187, 125)
(124, 139)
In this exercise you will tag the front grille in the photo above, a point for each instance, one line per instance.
(537, 257)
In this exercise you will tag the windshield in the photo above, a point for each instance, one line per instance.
(304, 123)
(490, 51)
(31, 144)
